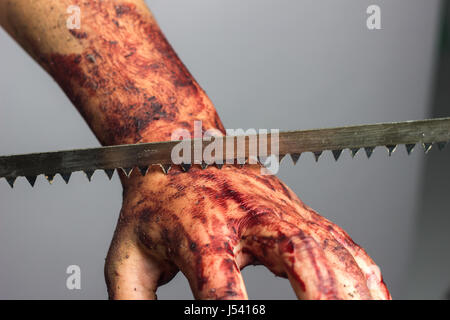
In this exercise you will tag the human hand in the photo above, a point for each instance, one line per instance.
(209, 224)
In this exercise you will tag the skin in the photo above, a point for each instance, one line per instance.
(129, 85)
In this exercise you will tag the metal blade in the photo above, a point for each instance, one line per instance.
(143, 170)
(317, 155)
(336, 154)
(66, 176)
(165, 168)
(295, 157)
(391, 148)
(219, 165)
(109, 173)
(11, 181)
(31, 180)
(89, 174)
(410, 147)
(427, 146)
(186, 167)
(354, 151)
(50, 177)
(369, 151)
(409, 133)
(127, 171)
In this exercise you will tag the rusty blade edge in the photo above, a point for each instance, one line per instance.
(425, 132)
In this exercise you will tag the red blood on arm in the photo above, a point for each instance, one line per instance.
(128, 83)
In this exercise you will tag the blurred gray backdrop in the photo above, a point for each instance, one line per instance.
(286, 64)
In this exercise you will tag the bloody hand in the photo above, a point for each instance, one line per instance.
(129, 85)
(211, 223)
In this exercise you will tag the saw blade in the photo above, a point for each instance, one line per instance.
(143, 155)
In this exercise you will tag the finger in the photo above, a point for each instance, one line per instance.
(337, 242)
(350, 278)
(288, 251)
(130, 273)
(213, 273)
(371, 271)
(368, 268)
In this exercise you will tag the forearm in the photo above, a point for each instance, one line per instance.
(117, 69)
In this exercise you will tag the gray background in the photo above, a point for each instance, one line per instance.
(265, 64)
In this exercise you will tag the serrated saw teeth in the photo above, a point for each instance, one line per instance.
(369, 151)
(127, 171)
(219, 165)
(354, 151)
(89, 174)
(50, 177)
(409, 147)
(427, 146)
(11, 181)
(31, 180)
(185, 167)
(165, 168)
(240, 162)
(317, 155)
(143, 170)
(66, 176)
(109, 173)
(391, 148)
(126, 157)
(295, 157)
(336, 154)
